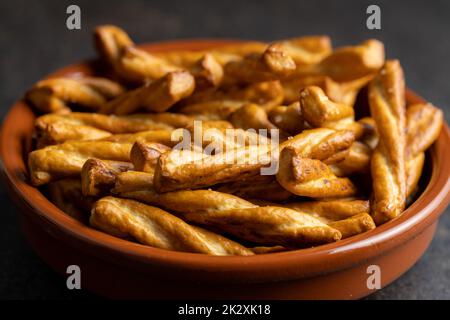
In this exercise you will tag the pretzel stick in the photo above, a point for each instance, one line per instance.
(348, 63)
(132, 64)
(331, 210)
(98, 177)
(58, 94)
(233, 215)
(320, 143)
(424, 123)
(157, 136)
(271, 65)
(66, 160)
(387, 106)
(157, 96)
(58, 128)
(219, 104)
(185, 169)
(157, 228)
(306, 50)
(118, 124)
(354, 225)
(222, 54)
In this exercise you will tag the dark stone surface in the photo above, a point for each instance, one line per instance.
(35, 41)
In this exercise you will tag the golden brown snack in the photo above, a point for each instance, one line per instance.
(258, 187)
(158, 228)
(66, 195)
(98, 177)
(273, 64)
(185, 169)
(348, 63)
(357, 160)
(354, 225)
(387, 106)
(331, 210)
(144, 156)
(306, 50)
(222, 54)
(319, 112)
(219, 104)
(159, 136)
(156, 96)
(423, 125)
(310, 177)
(57, 128)
(60, 94)
(268, 225)
(236, 216)
(66, 160)
(321, 143)
(129, 63)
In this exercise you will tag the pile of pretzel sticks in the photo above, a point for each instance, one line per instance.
(107, 154)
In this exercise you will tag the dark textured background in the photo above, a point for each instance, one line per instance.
(34, 41)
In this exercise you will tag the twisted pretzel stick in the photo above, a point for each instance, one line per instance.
(230, 214)
(159, 136)
(354, 225)
(157, 228)
(331, 210)
(348, 63)
(58, 128)
(350, 217)
(221, 103)
(306, 50)
(424, 123)
(136, 65)
(66, 160)
(157, 96)
(320, 143)
(271, 65)
(57, 94)
(387, 106)
(185, 169)
(115, 46)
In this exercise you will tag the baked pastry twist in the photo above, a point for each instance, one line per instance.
(387, 106)
(155, 227)
(59, 94)
(227, 213)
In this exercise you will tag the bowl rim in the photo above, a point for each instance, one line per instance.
(303, 262)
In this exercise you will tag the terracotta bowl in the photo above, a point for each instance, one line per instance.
(120, 269)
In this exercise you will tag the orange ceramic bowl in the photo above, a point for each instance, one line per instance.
(117, 268)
